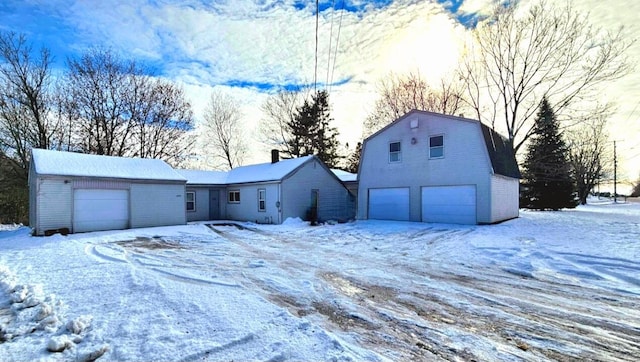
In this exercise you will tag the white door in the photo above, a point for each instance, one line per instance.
(95, 210)
(449, 204)
(389, 204)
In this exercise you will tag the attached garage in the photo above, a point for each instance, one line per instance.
(449, 204)
(74, 192)
(95, 210)
(389, 204)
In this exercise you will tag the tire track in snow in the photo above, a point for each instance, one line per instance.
(520, 317)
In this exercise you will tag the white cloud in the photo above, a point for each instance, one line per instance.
(204, 45)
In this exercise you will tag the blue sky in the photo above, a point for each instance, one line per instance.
(250, 48)
(147, 32)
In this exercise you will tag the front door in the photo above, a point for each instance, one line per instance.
(214, 204)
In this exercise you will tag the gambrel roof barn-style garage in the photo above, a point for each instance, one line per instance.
(73, 192)
(432, 167)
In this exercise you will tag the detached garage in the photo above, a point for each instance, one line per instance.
(74, 192)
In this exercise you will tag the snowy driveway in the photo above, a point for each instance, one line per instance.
(556, 286)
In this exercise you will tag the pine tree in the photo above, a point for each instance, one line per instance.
(353, 162)
(547, 179)
(311, 132)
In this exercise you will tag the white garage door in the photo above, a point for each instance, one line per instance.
(95, 210)
(389, 204)
(449, 204)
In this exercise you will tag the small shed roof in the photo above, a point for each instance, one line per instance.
(59, 163)
(265, 171)
(345, 176)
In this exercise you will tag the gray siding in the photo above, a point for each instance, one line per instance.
(465, 161)
(53, 204)
(334, 200)
(247, 208)
(504, 198)
(157, 205)
(201, 212)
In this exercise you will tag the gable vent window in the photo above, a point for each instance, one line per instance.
(395, 154)
(436, 146)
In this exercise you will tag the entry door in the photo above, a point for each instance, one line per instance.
(214, 204)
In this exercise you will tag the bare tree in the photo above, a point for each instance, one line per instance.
(222, 132)
(25, 102)
(162, 120)
(519, 57)
(588, 154)
(112, 108)
(400, 94)
(280, 110)
(97, 87)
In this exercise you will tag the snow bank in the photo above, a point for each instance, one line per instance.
(28, 316)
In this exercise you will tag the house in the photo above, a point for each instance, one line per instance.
(437, 168)
(74, 192)
(269, 192)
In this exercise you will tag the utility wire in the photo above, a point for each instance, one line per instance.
(335, 54)
(333, 13)
(315, 72)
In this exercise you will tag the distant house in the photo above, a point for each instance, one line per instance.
(437, 168)
(73, 192)
(269, 192)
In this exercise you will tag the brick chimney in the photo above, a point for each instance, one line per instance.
(275, 156)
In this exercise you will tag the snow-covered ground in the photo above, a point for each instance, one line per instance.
(547, 286)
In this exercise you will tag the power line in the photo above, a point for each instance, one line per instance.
(315, 71)
(335, 54)
(333, 13)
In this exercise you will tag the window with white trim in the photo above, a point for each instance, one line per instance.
(436, 146)
(395, 153)
(262, 200)
(234, 196)
(191, 201)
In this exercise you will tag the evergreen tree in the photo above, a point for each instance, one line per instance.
(547, 178)
(311, 132)
(353, 162)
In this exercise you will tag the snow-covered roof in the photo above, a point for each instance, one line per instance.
(199, 177)
(345, 176)
(59, 163)
(265, 171)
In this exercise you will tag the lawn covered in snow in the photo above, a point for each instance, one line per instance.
(546, 286)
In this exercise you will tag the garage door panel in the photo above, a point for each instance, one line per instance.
(100, 210)
(389, 204)
(449, 204)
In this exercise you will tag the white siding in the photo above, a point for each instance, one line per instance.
(465, 161)
(504, 198)
(54, 200)
(247, 208)
(157, 205)
(334, 200)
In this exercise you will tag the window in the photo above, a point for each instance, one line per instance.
(394, 152)
(262, 200)
(436, 146)
(191, 201)
(234, 197)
